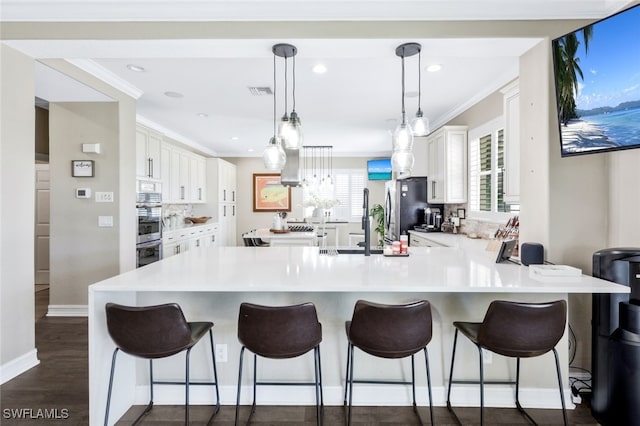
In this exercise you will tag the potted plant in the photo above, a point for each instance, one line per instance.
(377, 211)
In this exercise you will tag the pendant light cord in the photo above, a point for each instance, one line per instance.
(419, 79)
(294, 83)
(403, 112)
(286, 84)
(274, 96)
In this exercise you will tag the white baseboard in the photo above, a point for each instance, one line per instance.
(68, 311)
(19, 365)
(363, 395)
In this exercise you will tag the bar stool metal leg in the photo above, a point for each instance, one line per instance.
(186, 389)
(453, 359)
(239, 386)
(215, 377)
(426, 360)
(564, 408)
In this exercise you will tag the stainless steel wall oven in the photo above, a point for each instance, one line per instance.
(149, 212)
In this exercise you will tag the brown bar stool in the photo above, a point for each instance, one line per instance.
(517, 330)
(280, 332)
(152, 332)
(389, 331)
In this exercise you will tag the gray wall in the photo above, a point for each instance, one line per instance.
(81, 252)
(17, 171)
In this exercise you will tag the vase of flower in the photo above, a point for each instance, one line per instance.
(318, 213)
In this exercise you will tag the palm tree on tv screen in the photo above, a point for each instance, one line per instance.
(567, 71)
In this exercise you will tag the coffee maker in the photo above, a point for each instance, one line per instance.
(432, 219)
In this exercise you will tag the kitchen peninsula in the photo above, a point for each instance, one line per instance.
(210, 284)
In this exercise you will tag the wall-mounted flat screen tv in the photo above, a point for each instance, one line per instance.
(597, 79)
(379, 169)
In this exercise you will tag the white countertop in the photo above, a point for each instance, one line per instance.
(463, 269)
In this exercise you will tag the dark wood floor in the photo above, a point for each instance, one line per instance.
(61, 382)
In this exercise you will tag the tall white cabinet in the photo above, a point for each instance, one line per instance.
(222, 195)
(447, 165)
(148, 153)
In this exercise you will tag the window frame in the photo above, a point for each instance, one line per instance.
(351, 172)
(491, 127)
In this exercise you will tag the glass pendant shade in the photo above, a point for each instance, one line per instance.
(402, 162)
(274, 156)
(402, 137)
(292, 135)
(420, 124)
(283, 124)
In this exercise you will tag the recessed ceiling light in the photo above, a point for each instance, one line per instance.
(234, 138)
(319, 69)
(135, 68)
(250, 150)
(434, 68)
(174, 94)
(201, 114)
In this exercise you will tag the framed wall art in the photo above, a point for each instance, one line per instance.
(269, 195)
(82, 168)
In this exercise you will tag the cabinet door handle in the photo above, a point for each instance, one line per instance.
(224, 211)
(182, 192)
(233, 196)
(150, 171)
(197, 243)
(178, 249)
(224, 195)
(233, 209)
(433, 189)
(200, 194)
(213, 238)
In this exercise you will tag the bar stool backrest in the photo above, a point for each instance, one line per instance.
(391, 331)
(522, 329)
(150, 331)
(279, 331)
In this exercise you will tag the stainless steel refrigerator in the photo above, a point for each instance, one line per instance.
(405, 201)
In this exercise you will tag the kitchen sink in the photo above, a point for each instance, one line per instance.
(358, 250)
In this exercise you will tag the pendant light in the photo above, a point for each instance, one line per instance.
(402, 158)
(290, 126)
(420, 124)
(274, 156)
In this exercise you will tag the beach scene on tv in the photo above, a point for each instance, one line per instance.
(597, 76)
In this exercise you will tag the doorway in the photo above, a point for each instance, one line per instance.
(41, 244)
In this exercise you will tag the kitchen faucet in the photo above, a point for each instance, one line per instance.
(366, 224)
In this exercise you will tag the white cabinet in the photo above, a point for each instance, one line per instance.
(148, 155)
(447, 165)
(221, 194)
(197, 179)
(183, 175)
(222, 182)
(511, 100)
(420, 240)
(190, 238)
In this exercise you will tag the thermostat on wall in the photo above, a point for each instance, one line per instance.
(83, 192)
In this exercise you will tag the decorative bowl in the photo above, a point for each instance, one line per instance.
(202, 219)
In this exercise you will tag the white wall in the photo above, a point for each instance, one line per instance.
(563, 200)
(81, 252)
(17, 115)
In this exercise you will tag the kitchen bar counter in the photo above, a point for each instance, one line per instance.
(211, 283)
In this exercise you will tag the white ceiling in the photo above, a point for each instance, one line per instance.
(353, 106)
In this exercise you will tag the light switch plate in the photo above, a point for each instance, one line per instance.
(104, 197)
(105, 221)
